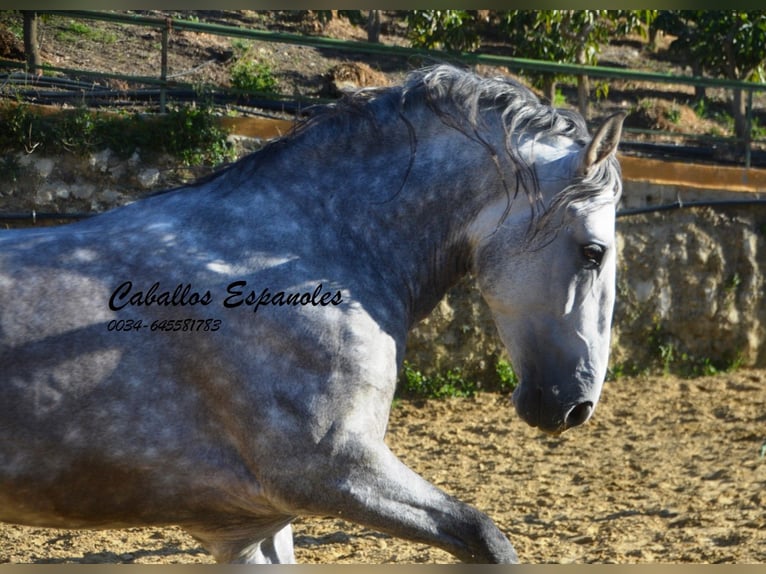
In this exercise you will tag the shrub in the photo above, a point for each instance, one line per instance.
(506, 375)
(253, 76)
(413, 383)
(191, 133)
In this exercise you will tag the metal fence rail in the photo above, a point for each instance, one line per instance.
(521, 64)
(34, 216)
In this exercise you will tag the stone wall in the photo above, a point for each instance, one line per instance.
(92, 182)
(691, 282)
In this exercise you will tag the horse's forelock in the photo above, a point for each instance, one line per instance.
(601, 186)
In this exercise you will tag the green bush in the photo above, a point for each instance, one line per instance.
(189, 132)
(252, 76)
(193, 134)
(508, 380)
(413, 383)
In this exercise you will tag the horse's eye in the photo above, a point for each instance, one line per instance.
(593, 254)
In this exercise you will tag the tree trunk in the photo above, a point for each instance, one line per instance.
(373, 26)
(31, 46)
(739, 111)
(653, 31)
(583, 83)
(583, 94)
(549, 88)
(699, 91)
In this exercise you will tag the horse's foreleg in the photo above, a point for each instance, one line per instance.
(277, 549)
(238, 545)
(375, 489)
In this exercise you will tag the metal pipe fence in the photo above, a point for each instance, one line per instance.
(34, 216)
(165, 83)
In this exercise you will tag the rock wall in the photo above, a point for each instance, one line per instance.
(82, 184)
(690, 282)
(92, 182)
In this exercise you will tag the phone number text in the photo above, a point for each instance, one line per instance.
(165, 325)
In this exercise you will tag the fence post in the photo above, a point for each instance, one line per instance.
(748, 128)
(31, 43)
(164, 63)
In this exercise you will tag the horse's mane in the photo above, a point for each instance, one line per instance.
(466, 102)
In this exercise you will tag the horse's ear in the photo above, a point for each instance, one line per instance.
(604, 142)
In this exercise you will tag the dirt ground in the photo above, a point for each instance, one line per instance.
(667, 471)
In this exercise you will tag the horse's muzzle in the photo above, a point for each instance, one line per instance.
(549, 415)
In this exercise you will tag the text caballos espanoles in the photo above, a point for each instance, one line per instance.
(237, 294)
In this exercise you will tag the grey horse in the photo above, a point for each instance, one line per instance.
(224, 356)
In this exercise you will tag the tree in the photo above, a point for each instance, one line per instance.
(672, 22)
(570, 36)
(31, 44)
(373, 26)
(567, 36)
(723, 43)
(452, 30)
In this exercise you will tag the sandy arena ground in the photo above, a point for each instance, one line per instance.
(668, 471)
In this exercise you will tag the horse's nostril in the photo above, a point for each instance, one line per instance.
(578, 414)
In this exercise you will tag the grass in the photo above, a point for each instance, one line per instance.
(666, 357)
(673, 114)
(453, 383)
(716, 112)
(72, 31)
(414, 383)
(191, 133)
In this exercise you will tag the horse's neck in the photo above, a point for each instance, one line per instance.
(407, 213)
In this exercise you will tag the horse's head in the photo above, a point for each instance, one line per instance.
(550, 279)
